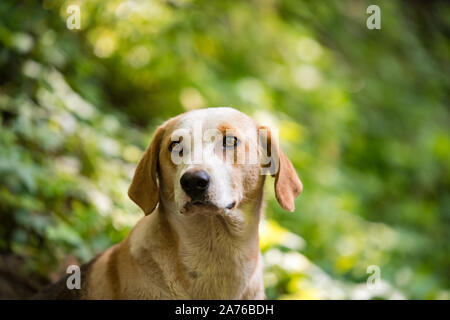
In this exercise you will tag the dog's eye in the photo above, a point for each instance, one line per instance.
(230, 141)
(175, 146)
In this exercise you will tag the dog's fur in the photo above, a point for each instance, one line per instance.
(181, 250)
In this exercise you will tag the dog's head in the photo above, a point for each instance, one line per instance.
(212, 159)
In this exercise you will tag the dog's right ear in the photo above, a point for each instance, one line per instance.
(144, 190)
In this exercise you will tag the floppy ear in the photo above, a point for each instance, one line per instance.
(287, 184)
(144, 190)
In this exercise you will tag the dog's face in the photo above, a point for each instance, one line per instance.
(212, 159)
(200, 165)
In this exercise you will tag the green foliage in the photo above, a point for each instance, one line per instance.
(363, 114)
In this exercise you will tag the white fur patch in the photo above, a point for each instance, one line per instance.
(201, 154)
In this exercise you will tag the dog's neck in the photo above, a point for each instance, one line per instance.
(237, 227)
(218, 252)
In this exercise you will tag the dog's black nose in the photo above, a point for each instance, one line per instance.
(195, 183)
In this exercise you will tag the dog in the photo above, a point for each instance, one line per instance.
(199, 236)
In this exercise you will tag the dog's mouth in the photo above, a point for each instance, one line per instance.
(207, 205)
(231, 206)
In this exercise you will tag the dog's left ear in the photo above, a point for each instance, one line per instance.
(287, 184)
(144, 190)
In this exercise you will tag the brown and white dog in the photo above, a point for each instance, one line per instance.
(199, 236)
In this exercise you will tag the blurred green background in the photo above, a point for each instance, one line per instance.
(363, 115)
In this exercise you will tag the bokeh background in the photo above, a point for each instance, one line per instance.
(363, 115)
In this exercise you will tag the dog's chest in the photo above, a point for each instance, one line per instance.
(202, 263)
(220, 272)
